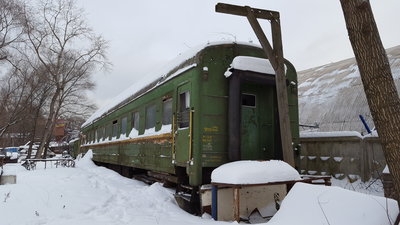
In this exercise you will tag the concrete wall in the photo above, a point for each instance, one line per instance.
(344, 155)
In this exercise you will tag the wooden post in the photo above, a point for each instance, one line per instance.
(214, 202)
(275, 56)
(236, 203)
(282, 95)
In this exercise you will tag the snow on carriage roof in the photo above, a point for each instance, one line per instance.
(254, 172)
(248, 63)
(174, 67)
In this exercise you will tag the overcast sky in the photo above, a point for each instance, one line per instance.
(144, 35)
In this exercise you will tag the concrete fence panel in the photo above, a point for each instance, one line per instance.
(341, 154)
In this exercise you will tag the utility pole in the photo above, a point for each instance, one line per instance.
(275, 55)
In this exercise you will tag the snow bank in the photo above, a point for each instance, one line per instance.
(12, 169)
(308, 204)
(86, 160)
(248, 63)
(254, 172)
(88, 195)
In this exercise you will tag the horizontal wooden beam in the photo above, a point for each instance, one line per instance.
(242, 11)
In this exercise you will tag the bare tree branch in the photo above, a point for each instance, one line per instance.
(68, 51)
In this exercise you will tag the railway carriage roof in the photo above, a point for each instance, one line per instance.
(180, 64)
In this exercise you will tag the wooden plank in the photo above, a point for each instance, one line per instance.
(242, 11)
(236, 203)
(275, 56)
(282, 95)
(262, 38)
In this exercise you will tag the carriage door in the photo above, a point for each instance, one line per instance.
(256, 122)
(182, 139)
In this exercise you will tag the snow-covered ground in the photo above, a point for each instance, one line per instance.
(317, 205)
(92, 195)
(87, 195)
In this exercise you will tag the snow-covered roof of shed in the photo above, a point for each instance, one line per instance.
(254, 172)
(253, 64)
(176, 66)
(332, 95)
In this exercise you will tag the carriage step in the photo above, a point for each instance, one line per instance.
(184, 202)
(163, 177)
(145, 179)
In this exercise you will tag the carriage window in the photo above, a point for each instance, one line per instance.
(135, 121)
(124, 123)
(103, 135)
(167, 111)
(248, 100)
(185, 100)
(100, 133)
(91, 136)
(96, 135)
(86, 138)
(184, 109)
(109, 130)
(115, 128)
(150, 116)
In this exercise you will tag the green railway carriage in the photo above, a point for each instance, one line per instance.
(74, 147)
(192, 118)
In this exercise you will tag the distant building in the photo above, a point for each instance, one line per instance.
(332, 96)
(59, 130)
(67, 129)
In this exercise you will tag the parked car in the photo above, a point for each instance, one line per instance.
(11, 154)
(23, 149)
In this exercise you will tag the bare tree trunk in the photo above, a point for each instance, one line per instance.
(34, 129)
(379, 86)
(51, 120)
